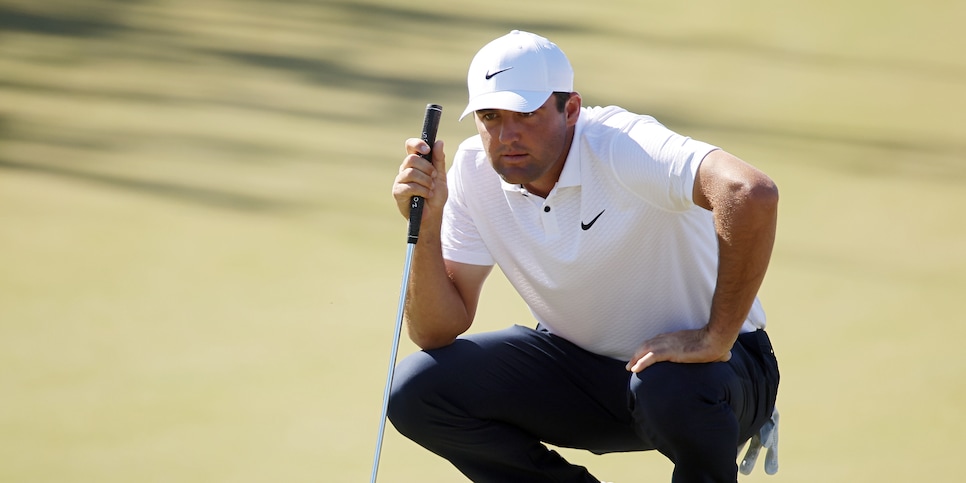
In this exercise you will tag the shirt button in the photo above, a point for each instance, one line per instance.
(546, 209)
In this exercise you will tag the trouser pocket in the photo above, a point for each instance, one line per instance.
(767, 375)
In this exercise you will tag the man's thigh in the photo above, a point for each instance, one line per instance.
(744, 388)
(533, 380)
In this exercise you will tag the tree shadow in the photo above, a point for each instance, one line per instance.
(63, 25)
(892, 67)
(373, 25)
(382, 17)
(331, 73)
(203, 196)
(942, 162)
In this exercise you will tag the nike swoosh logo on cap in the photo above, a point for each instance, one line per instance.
(489, 75)
(586, 226)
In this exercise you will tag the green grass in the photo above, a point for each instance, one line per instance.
(200, 258)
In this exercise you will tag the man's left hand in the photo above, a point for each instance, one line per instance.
(687, 346)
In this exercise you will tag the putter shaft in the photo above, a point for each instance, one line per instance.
(392, 359)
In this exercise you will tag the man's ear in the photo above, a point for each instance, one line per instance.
(572, 109)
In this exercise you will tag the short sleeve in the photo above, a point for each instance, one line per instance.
(657, 163)
(460, 238)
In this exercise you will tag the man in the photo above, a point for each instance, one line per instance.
(640, 253)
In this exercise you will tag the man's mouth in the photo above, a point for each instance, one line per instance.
(514, 158)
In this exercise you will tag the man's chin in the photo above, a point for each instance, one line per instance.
(515, 181)
(516, 176)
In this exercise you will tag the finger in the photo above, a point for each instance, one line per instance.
(416, 177)
(416, 146)
(644, 362)
(416, 170)
(439, 156)
(771, 460)
(751, 457)
(636, 357)
(646, 349)
(413, 182)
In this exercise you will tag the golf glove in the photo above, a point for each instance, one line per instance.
(766, 438)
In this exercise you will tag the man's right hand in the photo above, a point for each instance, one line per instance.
(419, 177)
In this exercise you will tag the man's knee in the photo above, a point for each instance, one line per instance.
(685, 414)
(413, 381)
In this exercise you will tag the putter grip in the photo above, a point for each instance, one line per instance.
(430, 126)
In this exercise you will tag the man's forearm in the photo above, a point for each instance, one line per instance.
(435, 311)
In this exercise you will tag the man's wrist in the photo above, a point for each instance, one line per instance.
(721, 339)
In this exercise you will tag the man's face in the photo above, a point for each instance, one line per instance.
(529, 148)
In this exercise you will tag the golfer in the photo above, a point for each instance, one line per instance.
(639, 252)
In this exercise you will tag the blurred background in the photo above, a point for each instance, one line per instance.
(200, 257)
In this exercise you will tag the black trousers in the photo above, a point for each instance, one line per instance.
(489, 401)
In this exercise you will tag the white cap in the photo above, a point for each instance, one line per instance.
(517, 72)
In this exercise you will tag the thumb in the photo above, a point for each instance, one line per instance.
(439, 156)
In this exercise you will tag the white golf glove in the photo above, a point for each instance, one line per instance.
(766, 438)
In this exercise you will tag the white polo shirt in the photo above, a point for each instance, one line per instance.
(617, 253)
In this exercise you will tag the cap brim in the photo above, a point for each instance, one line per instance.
(517, 101)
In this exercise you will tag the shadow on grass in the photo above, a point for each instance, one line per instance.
(404, 19)
(371, 23)
(333, 74)
(92, 24)
(196, 195)
(941, 162)
(203, 196)
(951, 71)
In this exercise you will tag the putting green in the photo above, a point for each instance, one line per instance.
(200, 258)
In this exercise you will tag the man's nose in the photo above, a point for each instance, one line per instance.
(509, 130)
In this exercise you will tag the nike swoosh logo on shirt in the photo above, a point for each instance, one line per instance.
(489, 75)
(586, 226)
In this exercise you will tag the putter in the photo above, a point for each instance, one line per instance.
(430, 125)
